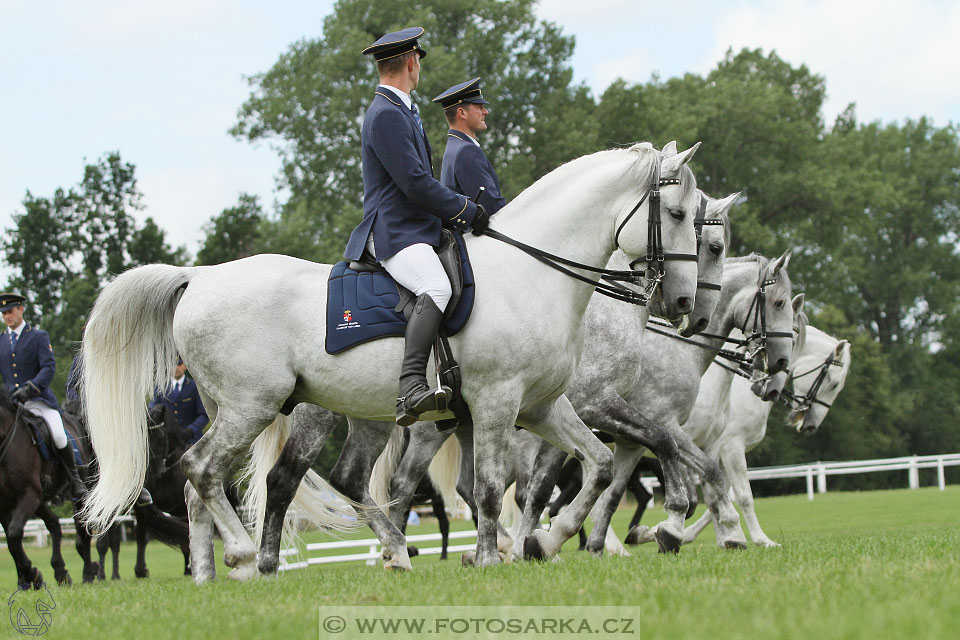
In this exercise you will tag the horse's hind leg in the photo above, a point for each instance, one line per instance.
(425, 442)
(206, 465)
(82, 544)
(311, 427)
(56, 535)
(202, 565)
(544, 476)
(27, 575)
(140, 568)
(351, 476)
(109, 541)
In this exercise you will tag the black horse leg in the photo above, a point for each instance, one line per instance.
(82, 543)
(440, 511)
(56, 535)
(27, 575)
(140, 569)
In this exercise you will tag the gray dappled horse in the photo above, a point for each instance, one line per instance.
(517, 353)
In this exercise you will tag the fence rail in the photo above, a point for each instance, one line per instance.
(37, 530)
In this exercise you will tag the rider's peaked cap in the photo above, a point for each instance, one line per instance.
(468, 91)
(10, 300)
(396, 44)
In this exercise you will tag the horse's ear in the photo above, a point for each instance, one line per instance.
(671, 165)
(838, 350)
(798, 302)
(781, 262)
(724, 205)
(670, 149)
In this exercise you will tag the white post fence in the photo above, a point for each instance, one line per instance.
(38, 531)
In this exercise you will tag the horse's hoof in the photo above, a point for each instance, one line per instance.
(640, 534)
(37, 581)
(532, 549)
(735, 545)
(668, 542)
(65, 580)
(691, 509)
(243, 572)
(397, 567)
(468, 559)
(412, 551)
(769, 544)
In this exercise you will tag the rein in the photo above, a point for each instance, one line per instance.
(612, 287)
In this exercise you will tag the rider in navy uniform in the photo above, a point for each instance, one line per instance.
(182, 397)
(465, 166)
(28, 366)
(405, 209)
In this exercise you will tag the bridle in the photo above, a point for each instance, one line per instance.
(759, 333)
(803, 402)
(163, 458)
(698, 223)
(611, 287)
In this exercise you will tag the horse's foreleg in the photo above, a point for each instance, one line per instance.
(82, 544)
(625, 458)
(440, 511)
(725, 517)
(543, 478)
(56, 535)
(351, 476)
(206, 465)
(27, 575)
(425, 442)
(140, 568)
(563, 428)
(734, 461)
(640, 493)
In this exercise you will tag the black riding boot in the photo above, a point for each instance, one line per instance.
(77, 488)
(416, 396)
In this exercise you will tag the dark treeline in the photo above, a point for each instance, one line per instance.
(870, 209)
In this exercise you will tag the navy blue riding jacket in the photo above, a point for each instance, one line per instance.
(466, 168)
(30, 362)
(403, 204)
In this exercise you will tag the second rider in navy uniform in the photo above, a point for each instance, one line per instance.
(465, 165)
(405, 208)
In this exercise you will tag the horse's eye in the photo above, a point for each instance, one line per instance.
(716, 249)
(779, 304)
(677, 215)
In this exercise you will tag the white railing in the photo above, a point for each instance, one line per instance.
(373, 549)
(38, 531)
(820, 470)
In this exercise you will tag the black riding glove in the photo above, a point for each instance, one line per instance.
(25, 393)
(480, 221)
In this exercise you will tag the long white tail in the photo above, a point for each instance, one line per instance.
(444, 470)
(316, 502)
(128, 351)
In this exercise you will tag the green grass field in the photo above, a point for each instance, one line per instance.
(853, 565)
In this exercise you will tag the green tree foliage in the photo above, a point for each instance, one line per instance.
(64, 248)
(235, 233)
(311, 103)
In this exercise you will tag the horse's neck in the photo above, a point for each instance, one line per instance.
(738, 288)
(571, 212)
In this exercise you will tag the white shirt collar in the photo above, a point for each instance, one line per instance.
(175, 381)
(404, 97)
(19, 330)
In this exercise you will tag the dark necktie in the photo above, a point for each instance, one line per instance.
(13, 341)
(416, 116)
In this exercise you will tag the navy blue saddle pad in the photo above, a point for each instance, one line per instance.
(360, 305)
(42, 437)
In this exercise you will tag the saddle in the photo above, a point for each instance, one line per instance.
(453, 257)
(40, 435)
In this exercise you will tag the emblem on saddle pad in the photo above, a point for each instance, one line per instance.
(348, 321)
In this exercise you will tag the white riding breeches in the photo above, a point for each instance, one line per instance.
(418, 269)
(52, 417)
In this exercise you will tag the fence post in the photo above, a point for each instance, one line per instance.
(913, 475)
(941, 480)
(371, 561)
(821, 478)
(809, 483)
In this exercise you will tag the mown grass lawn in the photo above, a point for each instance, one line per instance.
(853, 565)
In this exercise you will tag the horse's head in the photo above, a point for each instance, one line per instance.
(712, 225)
(817, 381)
(671, 206)
(769, 325)
(165, 437)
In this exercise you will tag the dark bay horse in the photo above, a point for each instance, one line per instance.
(28, 483)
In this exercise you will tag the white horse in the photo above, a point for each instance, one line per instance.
(729, 420)
(517, 353)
